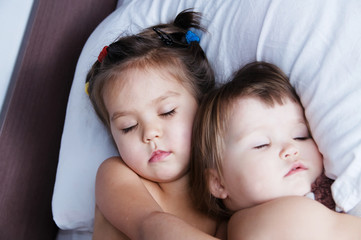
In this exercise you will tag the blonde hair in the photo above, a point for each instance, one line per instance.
(258, 79)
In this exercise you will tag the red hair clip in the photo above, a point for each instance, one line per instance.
(103, 54)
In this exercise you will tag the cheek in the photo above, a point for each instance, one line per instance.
(127, 147)
(241, 185)
(316, 157)
(319, 158)
(179, 138)
(187, 133)
(251, 169)
(236, 167)
(132, 156)
(181, 130)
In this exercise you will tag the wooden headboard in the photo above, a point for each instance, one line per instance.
(34, 110)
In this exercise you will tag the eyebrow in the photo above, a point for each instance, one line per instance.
(167, 95)
(298, 121)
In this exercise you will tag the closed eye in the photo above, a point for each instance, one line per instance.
(168, 114)
(261, 146)
(301, 138)
(129, 129)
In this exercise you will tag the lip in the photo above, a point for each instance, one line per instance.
(158, 156)
(296, 168)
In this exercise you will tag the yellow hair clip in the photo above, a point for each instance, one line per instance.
(87, 88)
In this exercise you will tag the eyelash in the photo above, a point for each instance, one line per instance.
(166, 114)
(126, 130)
(302, 138)
(261, 146)
(297, 138)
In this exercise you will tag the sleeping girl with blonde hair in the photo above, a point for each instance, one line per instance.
(254, 161)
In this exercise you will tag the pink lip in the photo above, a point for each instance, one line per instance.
(158, 155)
(297, 167)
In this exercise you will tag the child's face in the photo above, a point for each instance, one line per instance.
(268, 153)
(151, 117)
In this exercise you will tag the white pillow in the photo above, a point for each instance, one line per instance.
(317, 43)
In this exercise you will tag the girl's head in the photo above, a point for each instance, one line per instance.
(251, 143)
(146, 89)
(163, 47)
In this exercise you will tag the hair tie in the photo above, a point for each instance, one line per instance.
(191, 37)
(103, 54)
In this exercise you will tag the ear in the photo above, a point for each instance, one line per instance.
(215, 184)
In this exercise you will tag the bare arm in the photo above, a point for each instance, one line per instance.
(104, 229)
(293, 218)
(167, 226)
(125, 202)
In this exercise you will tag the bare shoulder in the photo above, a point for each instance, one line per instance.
(114, 176)
(122, 198)
(293, 218)
(113, 171)
(112, 164)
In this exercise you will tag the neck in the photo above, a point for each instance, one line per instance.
(177, 187)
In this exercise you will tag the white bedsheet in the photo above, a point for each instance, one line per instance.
(74, 235)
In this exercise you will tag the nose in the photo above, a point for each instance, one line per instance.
(289, 152)
(151, 132)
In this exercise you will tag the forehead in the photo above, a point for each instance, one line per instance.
(252, 111)
(146, 83)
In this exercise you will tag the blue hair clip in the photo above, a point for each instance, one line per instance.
(191, 37)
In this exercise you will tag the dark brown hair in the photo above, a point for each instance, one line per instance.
(162, 46)
(258, 79)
